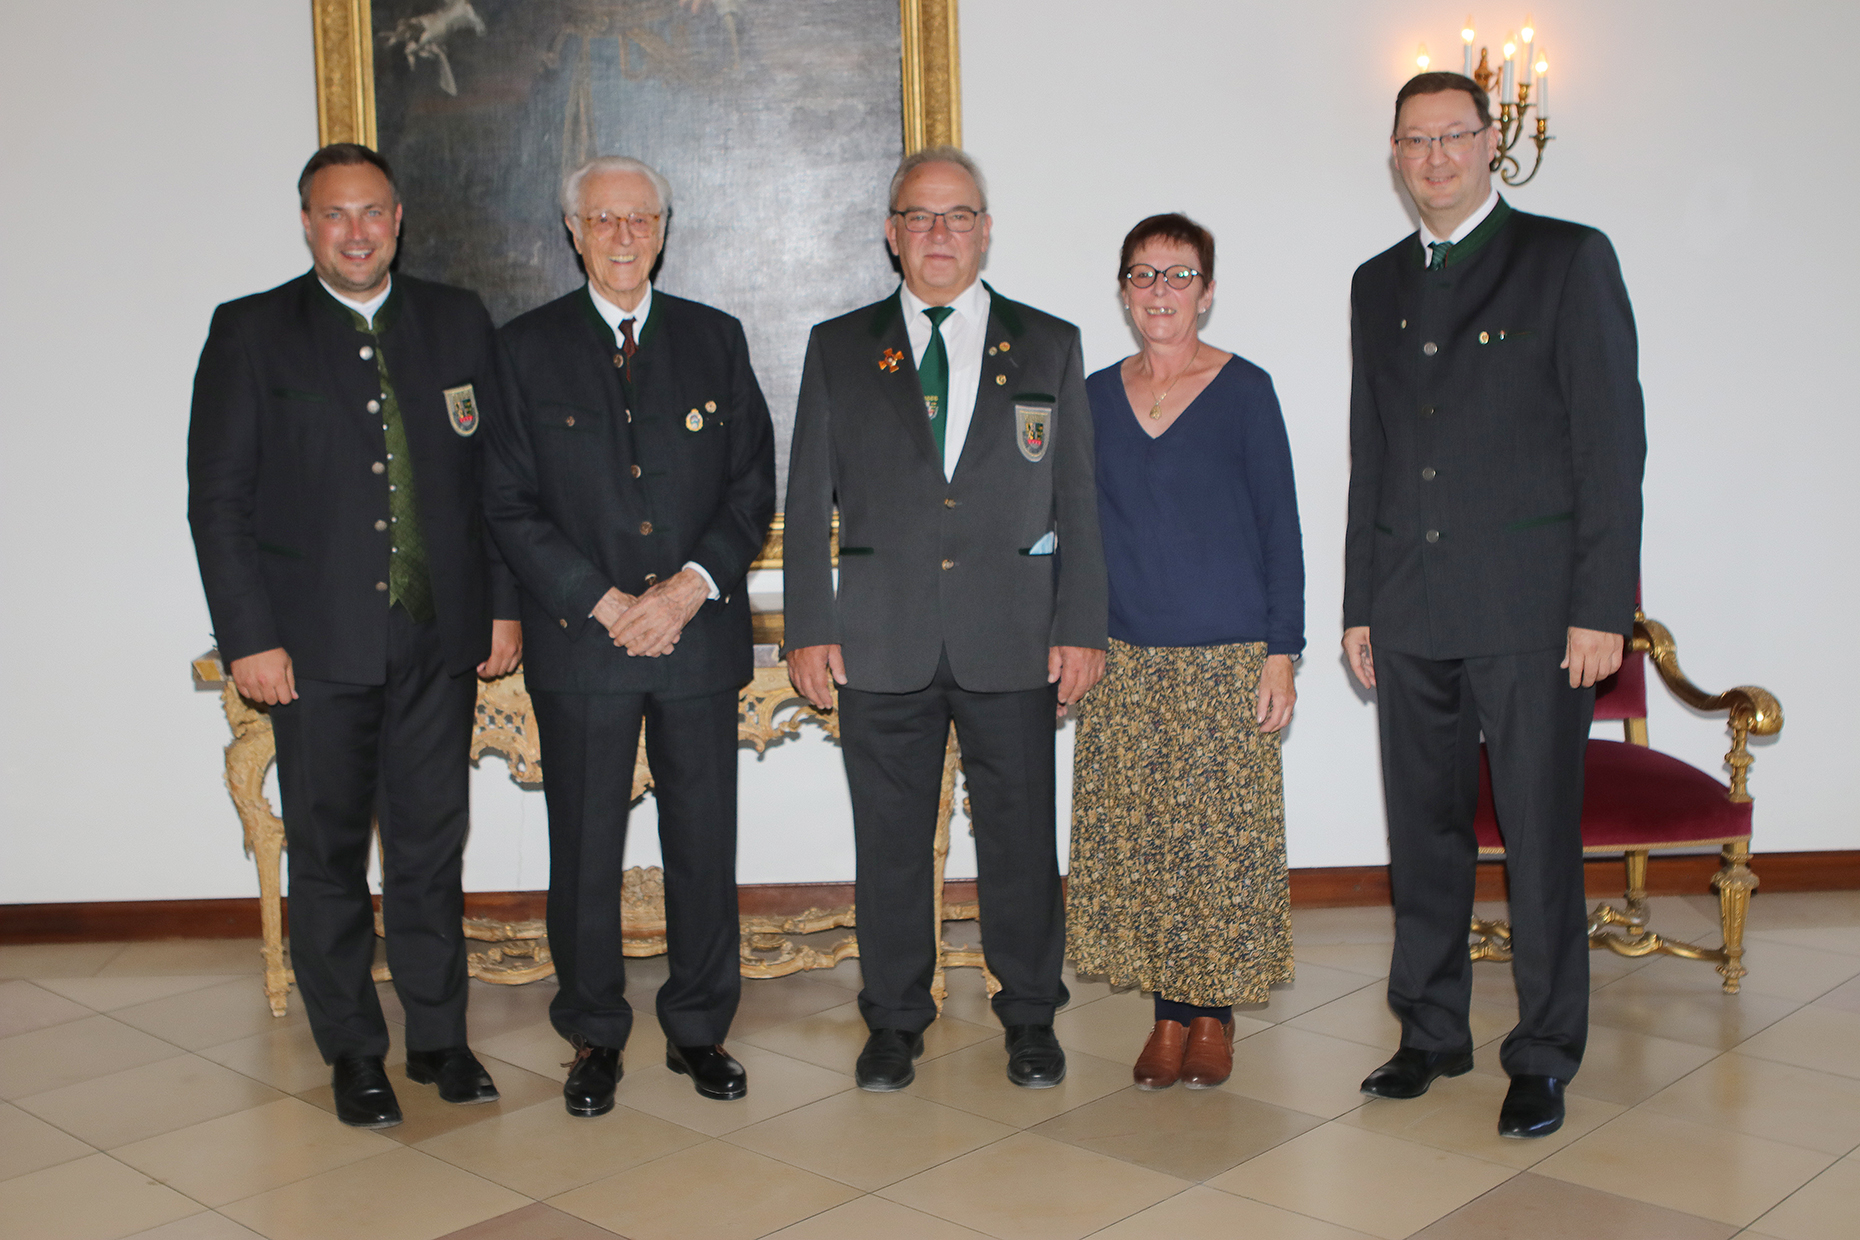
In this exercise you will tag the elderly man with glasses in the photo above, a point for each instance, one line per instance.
(950, 427)
(1491, 557)
(630, 488)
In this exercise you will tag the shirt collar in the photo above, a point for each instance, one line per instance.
(1466, 225)
(367, 308)
(971, 304)
(614, 315)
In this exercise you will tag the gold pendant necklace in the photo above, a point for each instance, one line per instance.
(1156, 409)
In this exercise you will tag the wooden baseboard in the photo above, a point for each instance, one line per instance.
(1330, 887)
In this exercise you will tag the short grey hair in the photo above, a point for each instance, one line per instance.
(937, 155)
(571, 184)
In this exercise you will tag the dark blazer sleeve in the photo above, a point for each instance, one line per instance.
(1367, 447)
(548, 564)
(1081, 601)
(733, 539)
(1597, 361)
(222, 482)
(807, 570)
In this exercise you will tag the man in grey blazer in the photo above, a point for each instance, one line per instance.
(1493, 549)
(950, 427)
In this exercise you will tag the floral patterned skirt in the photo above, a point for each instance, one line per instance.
(1178, 880)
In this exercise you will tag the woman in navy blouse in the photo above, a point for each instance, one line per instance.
(1178, 880)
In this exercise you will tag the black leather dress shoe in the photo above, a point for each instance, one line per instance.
(885, 1063)
(589, 1090)
(1411, 1071)
(1034, 1058)
(457, 1072)
(1533, 1106)
(713, 1073)
(364, 1099)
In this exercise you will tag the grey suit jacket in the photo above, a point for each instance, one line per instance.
(928, 564)
(1497, 440)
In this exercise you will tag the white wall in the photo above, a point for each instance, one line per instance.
(149, 171)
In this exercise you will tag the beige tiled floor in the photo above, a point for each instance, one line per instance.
(146, 1093)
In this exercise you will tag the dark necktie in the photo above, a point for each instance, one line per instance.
(933, 376)
(628, 346)
(1439, 259)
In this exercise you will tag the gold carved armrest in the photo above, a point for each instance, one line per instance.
(1751, 711)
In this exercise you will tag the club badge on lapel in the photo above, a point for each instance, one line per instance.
(889, 361)
(462, 409)
(1033, 421)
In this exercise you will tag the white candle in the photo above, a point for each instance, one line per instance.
(1505, 82)
(1543, 88)
(1527, 36)
(1467, 35)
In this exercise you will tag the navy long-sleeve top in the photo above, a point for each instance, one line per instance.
(1201, 538)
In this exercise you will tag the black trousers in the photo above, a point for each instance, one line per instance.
(893, 745)
(1432, 712)
(343, 750)
(588, 744)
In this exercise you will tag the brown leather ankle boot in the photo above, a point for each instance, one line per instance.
(1161, 1060)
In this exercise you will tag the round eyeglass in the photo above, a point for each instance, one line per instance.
(1416, 146)
(608, 222)
(957, 219)
(1143, 275)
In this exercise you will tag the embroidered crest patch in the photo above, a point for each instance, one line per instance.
(1034, 422)
(462, 409)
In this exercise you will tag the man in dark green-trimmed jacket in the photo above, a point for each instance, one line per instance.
(1492, 551)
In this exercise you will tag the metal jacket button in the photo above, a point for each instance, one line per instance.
(378, 468)
(645, 527)
(381, 525)
(1427, 474)
(636, 471)
(374, 406)
(367, 353)
(1430, 348)
(380, 587)
(1433, 536)
(948, 564)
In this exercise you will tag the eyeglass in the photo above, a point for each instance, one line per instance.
(1143, 275)
(959, 219)
(1414, 146)
(607, 221)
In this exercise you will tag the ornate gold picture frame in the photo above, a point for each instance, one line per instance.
(345, 72)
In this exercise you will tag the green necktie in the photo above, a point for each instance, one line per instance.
(933, 376)
(409, 583)
(1439, 259)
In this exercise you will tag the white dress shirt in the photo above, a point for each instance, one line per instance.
(364, 308)
(613, 316)
(964, 334)
(1462, 232)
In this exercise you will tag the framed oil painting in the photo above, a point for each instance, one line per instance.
(778, 123)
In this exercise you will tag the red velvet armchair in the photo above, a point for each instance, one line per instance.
(1637, 800)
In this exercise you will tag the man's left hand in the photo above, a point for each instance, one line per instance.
(1075, 669)
(506, 649)
(1591, 655)
(653, 624)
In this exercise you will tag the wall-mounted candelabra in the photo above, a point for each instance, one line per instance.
(1513, 90)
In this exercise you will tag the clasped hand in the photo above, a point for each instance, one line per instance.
(650, 624)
